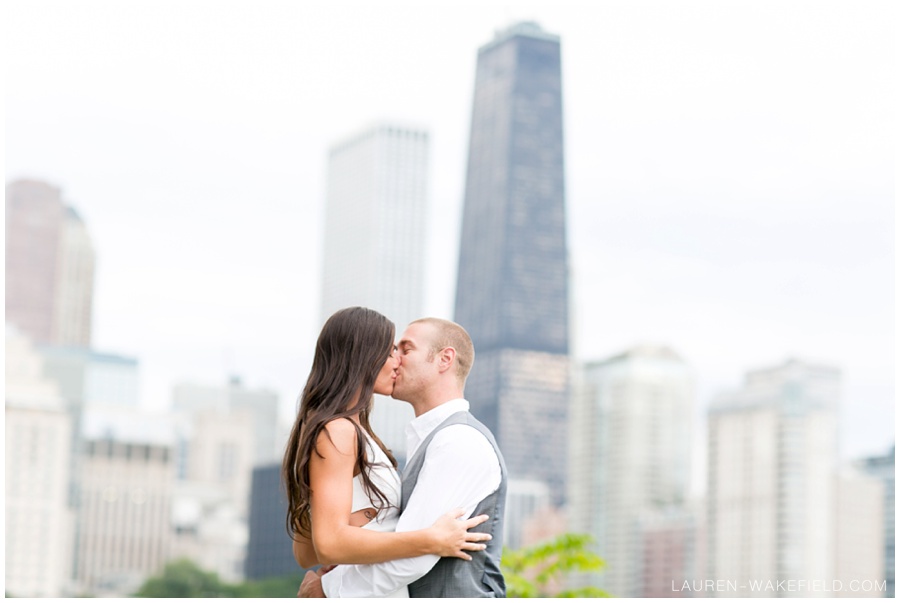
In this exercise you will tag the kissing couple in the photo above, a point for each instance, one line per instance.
(437, 530)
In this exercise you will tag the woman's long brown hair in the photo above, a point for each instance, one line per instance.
(350, 352)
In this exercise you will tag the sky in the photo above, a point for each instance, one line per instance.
(729, 173)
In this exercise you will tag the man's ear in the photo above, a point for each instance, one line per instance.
(446, 358)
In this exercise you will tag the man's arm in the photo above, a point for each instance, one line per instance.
(460, 470)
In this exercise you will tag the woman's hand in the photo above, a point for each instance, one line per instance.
(452, 537)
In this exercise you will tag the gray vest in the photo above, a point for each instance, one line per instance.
(451, 576)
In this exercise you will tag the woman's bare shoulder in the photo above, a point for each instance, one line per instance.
(338, 434)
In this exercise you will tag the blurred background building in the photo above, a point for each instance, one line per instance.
(126, 483)
(525, 499)
(858, 532)
(241, 406)
(208, 528)
(49, 266)
(223, 433)
(89, 380)
(375, 232)
(770, 481)
(39, 519)
(269, 550)
(512, 282)
(668, 550)
(630, 468)
(882, 468)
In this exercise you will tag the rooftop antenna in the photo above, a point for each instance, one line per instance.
(231, 378)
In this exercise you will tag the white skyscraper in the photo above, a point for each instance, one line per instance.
(39, 519)
(770, 478)
(375, 222)
(630, 455)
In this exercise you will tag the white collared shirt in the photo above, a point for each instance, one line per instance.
(460, 470)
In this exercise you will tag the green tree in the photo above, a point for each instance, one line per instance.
(272, 588)
(183, 578)
(537, 570)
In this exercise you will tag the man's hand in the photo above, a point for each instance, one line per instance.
(311, 587)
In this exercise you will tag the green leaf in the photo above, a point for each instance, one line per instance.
(529, 571)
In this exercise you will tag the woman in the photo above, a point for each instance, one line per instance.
(339, 477)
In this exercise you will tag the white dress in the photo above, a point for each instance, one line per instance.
(386, 478)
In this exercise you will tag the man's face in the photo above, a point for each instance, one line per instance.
(416, 372)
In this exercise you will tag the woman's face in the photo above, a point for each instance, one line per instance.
(384, 383)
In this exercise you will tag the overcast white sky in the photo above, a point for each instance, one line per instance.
(729, 172)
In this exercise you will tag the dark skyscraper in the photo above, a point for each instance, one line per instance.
(269, 552)
(512, 289)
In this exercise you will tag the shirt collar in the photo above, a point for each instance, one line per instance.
(419, 428)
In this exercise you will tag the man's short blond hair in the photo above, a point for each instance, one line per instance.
(448, 334)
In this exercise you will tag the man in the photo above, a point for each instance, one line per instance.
(453, 462)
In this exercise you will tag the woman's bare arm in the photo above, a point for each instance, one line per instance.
(336, 541)
(305, 552)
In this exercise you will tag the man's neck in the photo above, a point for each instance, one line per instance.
(435, 399)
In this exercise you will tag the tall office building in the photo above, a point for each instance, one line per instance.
(38, 518)
(512, 287)
(375, 227)
(770, 478)
(630, 451)
(49, 266)
(882, 467)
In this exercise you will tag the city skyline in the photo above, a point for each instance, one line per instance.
(728, 197)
